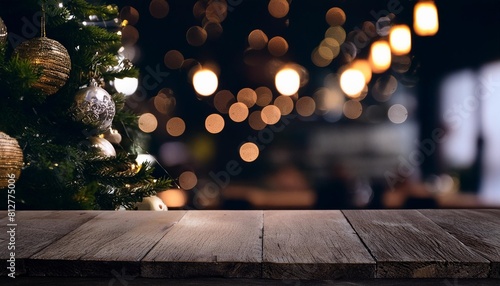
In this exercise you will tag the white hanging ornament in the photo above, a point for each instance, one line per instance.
(105, 148)
(152, 203)
(113, 136)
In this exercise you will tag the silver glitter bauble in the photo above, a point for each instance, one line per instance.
(3, 32)
(106, 149)
(52, 57)
(94, 107)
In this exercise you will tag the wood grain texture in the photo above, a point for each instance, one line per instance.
(406, 244)
(113, 241)
(209, 244)
(477, 229)
(137, 281)
(313, 245)
(36, 230)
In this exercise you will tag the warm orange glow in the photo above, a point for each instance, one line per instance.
(255, 121)
(353, 109)
(148, 123)
(335, 16)
(271, 114)
(173, 59)
(176, 126)
(188, 180)
(278, 8)
(400, 40)
(380, 56)
(238, 112)
(287, 81)
(196, 36)
(284, 103)
(277, 46)
(159, 9)
(205, 82)
(223, 100)
(249, 152)
(174, 198)
(214, 123)
(257, 39)
(425, 18)
(364, 67)
(305, 106)
(247, 96)
(352, 82)
(264, 95)
(337, 33)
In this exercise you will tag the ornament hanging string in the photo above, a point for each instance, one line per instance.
(42, 24)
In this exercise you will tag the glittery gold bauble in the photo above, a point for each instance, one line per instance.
(11, 160)
(52, 57)
(3, 32)
(94, 107)
(105, 148)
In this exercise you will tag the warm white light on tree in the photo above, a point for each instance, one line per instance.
(380, 56)
(400, 40)
(205, 82)
(352, 82)
(126, 85)
(425, 18)
(287, 81)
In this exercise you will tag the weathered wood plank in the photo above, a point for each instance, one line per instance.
(113, 241)
(136, 281)
(211, 244)
(313, 245)
(406, 244)
(477, 229)
(36, 230)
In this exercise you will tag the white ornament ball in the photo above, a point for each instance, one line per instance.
(113, 136)
(152, 203)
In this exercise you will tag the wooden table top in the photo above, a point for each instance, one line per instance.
(320, 245)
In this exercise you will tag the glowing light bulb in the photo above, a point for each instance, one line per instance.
(380, 56)
(205, 82)
(400, 40)
(352, 82)
(425, 18)
(126, 85)
(287, 81)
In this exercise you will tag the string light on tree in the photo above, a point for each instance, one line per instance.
(287, 81)
(127, 85)
(380, 56)
(400, 40)
(205, 82)
(425, 18)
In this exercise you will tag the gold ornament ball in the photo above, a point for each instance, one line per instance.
(3, 32)
(52, 57)
(11, 160)
(105, 148)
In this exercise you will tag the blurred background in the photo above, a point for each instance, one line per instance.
(235, 133)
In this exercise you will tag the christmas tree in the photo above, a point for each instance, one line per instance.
(56, 101)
